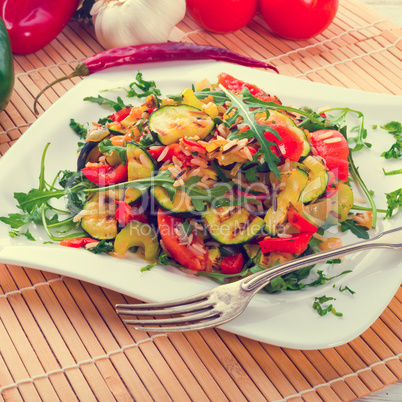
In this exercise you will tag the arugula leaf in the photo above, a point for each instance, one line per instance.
(146, 87)
(116, 105)
(394, 201)
(319, 301)
(78, 128)
(394, 128)
(346, 288)
(359, 231)
(256, 130)
(27, 234)
(106, 146)
(147, 141)
(200, 196)
(103, 246)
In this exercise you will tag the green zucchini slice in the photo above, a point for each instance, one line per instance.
(170, 123)
(232, 225)
(137, 234)
(99, 221)
(181, 205)
(315, 187)
(140, 163)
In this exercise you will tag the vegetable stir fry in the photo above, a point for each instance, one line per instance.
(221, 180)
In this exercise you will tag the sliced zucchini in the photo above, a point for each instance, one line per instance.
(314, 188)
(140, 163)
(181, 205)
(137, 234)
(170, 123)
(89, 153)
(277, 213)
(99, 221)
(342, 203)
(232, 225)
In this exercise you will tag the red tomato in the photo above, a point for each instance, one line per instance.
(181, 253)
(235, 85)
(232, 264)
(222, 16)
(290, 145)
(335, 153)
(32, 24)
(298, 19)
(105, 175)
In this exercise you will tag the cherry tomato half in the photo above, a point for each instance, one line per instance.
(298, 19)
(222, 16)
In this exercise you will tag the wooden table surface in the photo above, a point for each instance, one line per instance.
(60, 337)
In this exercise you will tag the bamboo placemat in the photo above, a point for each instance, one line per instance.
(60, 338)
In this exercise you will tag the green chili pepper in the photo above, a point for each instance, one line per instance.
(6, 67)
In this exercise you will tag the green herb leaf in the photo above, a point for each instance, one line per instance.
(106, 146)
(116, 105)
(346, 288)
(146, 87)
(78, 128)
(394, 201)
(319, 301)
(394, 128)
(359, 231)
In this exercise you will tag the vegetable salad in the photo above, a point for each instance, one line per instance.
(221, 180)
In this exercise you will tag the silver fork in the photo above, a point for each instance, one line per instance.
(223, 303)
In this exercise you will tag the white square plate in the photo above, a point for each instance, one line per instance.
(285, 319)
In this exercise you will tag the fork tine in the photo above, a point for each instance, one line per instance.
(212, 322)
(187, 308)
(171, 303)
(176, 320)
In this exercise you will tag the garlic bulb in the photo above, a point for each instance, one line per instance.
(134, 22)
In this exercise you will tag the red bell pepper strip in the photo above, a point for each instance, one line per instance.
(32, 24)
(195, 146)
(290, 145)
(184, 255)
(105, 175)
(235, 85)
(121, 114)
(155, 52)
(125, 214)
(294, 244)
(300, 223)
(232, 264)
(332, 146)
(77, 243)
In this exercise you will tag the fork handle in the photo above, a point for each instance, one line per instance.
(389, 239)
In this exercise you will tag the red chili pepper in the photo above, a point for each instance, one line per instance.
(121, 114)
(232, 264)
(155, 52)
(300, 223)
(32, 24)
(77, 243)
(105, 175)
(294, 244)
(125, 214)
